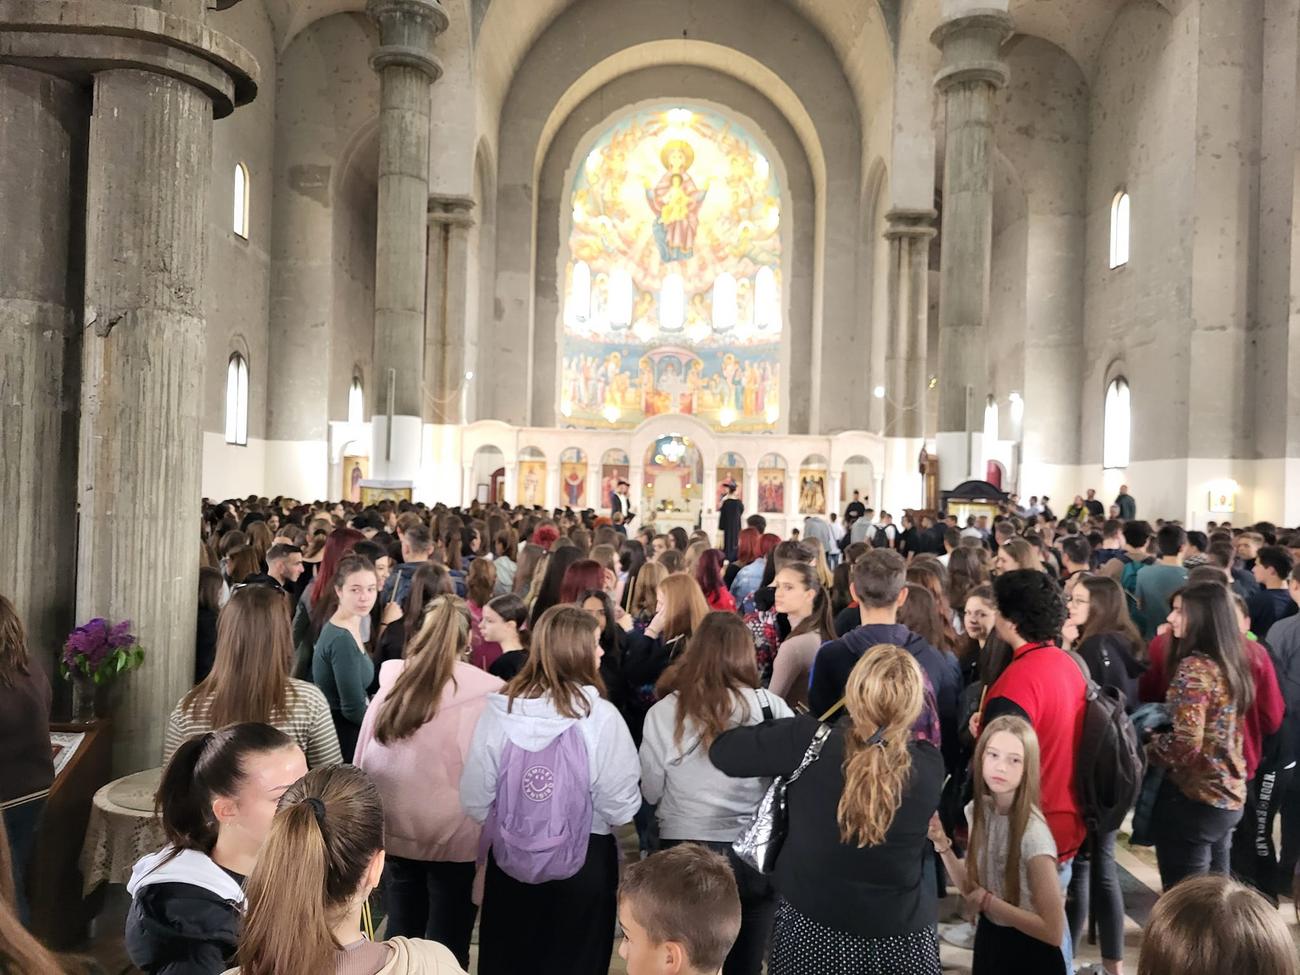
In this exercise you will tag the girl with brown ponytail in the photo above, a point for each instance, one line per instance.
(323, 857)
(870, 775)
(413, 744)
(216, 800)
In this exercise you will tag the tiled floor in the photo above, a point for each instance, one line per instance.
(1137, 872)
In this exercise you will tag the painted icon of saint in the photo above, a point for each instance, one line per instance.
(676, 202)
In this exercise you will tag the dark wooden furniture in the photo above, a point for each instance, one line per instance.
(60, 914)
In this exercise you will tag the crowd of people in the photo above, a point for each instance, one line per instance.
(437, 719)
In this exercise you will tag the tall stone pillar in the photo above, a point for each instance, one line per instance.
(43, 123)
(968, 80)
(909, 233)
(157, 77)
(407, 70)
(447, 307)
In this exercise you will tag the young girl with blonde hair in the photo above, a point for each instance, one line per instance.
(1009, 874)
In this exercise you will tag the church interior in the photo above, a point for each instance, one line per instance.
(539, 253)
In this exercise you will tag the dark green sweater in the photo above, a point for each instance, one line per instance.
(342, 671)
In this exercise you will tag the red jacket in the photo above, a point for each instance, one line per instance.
(720, 600)
(1265, 715)
(1044, 685)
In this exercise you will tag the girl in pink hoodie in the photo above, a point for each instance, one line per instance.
(413, 744)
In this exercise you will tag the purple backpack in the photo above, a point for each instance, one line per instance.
(539, 825)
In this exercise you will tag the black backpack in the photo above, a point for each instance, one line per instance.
(881, 539)
(1110, 763)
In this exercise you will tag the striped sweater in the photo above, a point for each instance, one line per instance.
(307, 721)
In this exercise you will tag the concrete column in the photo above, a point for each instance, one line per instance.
(447, 307)
(909, 233)
(407, 70)
(834, 498)
(968, 80)
(142, 364)
(43, 123)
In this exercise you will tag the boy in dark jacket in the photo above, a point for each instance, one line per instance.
(878, 585)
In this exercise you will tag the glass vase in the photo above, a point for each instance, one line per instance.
(83, 699)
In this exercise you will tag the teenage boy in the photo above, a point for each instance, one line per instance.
(679, 911)
(1284, 642)
(1045, 687)
(1158, 582)
(1272, 602)
(1112, 542)
(879, 588)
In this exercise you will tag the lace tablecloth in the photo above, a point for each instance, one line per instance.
(121, 830)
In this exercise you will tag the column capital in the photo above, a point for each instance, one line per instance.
(76, 40)
(407, 30)
(971, 45)
(451, 209)
(904, 222)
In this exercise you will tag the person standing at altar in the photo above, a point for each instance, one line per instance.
(729, 514)
(620, 503)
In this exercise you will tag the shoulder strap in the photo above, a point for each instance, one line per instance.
(833, 708)
(765, 703)
(814, 749)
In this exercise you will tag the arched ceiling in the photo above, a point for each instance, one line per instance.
(1078, 27)
(744, 68)
(855, 29)
(290, 17)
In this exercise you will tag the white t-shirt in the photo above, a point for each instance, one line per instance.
(1037, 841)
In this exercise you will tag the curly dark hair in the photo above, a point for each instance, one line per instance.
(1031, 602)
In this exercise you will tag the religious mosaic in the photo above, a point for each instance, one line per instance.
(672, 291)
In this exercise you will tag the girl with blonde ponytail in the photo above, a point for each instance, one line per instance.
(1009, 874)
(413, 744)
(306, 897)
(873, 777)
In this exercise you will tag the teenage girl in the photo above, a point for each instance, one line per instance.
(216, 800)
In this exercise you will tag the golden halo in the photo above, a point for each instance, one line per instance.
(677, 144)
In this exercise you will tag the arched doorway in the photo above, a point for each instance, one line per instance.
(487, 475)
(859, 475)
(674, 479)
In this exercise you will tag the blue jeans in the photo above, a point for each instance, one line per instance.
(1065, 871)
(22, 823)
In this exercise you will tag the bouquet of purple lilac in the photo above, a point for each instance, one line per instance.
(100, 650)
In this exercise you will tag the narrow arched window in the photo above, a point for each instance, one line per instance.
(1119, 229)
(724, 303)
(672, 303)
(237, 400)
(356, 402)
(767, 310)
(240, 219)
(621, 295)
(1117, 425)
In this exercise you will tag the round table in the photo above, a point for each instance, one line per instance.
(122, 829)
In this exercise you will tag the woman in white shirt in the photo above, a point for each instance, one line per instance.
(711, 688)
